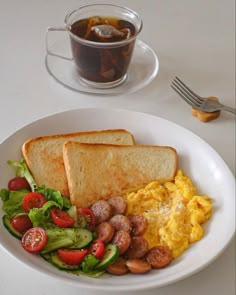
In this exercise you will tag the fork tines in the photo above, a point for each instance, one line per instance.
(186, 93)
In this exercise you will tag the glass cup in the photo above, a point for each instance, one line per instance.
(102, 39)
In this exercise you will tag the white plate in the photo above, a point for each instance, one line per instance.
(207, 169)
(143, 69)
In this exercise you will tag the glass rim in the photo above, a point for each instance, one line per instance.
(102, 44)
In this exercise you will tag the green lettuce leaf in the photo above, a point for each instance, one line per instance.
(56, 196)
(13, 204)
(4, 194)
(89, 262)
(22, 170)
(41, 216)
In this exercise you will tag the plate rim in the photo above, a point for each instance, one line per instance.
(125, 287)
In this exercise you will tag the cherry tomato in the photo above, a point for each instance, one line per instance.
(61, 218)
(89, 216)
(33, 200)
(34, 239)
(72, 257)
(97, 248)
(18, 183)
(21, 223)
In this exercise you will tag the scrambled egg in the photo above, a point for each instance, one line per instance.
(174, 212)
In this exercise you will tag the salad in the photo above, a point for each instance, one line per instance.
(47, 224)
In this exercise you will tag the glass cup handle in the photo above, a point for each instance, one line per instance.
(55, 29)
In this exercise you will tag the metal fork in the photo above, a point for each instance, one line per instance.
(196, 101)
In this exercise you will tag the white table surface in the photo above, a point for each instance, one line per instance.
(192, 39)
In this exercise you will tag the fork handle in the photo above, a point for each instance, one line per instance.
(229, 109)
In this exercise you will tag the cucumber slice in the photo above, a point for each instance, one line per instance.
(46, 256)
(81, 221)
(56, 261)
(84, 237)
(7, 223)
(62, 243)
(59, 263)
(110, 256)
(72, 211)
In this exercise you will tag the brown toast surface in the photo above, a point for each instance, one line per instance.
(44, 156)
(98, 171)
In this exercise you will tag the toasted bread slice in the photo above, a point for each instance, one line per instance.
(44, 156)
(98, 171)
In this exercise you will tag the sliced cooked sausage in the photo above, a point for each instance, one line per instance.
(122, 240)
(102, 210)
(138, 247)
(138, 266)
(105, 231)
(118, 267)
(120, 222)
(118, 204)
(159, 256)
(138, 224)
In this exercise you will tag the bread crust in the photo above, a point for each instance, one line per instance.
(43, 155)
(98, 171)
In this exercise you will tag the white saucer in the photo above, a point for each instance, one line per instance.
(143, 69)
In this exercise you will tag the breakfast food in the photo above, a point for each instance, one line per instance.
(206, 116)
(130, 209)
(43, 155)
(174, 211)
(126, 233)
(118, 168)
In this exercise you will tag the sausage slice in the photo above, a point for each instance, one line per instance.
(118, 267)
(138, 224)
(120, 222)
(159, 256)
(118, 204)
(138, 247)
(102, 210)
(138, 266)
(122, 240)
(105, 231)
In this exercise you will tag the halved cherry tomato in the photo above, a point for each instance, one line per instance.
(61, 218)
(34, 239)
(72, 257)
(17, 183)
(89, 216)
(33, 200)
(21, 223)
(97, 248)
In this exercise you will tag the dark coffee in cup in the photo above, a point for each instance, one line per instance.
(102, 38)
(97, 63)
